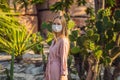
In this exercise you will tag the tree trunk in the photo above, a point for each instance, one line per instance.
(93, 67)
(79, 64)
(116, 71)
(99, 4)
(38, 18)
(90, 73)
(107, 73)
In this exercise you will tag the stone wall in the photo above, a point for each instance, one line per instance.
(29, 18)
(78, 13)
(36, 14)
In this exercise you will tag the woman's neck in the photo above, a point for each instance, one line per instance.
(58, 35)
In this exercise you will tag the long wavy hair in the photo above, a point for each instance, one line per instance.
(64, 25)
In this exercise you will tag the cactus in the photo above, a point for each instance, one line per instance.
(100, 39)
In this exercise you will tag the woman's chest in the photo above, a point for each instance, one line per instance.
(54, 50)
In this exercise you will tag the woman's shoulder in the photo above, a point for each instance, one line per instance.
(64, 39)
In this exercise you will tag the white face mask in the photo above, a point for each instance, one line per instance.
(57, 28)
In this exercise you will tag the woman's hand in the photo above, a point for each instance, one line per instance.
(63, 78)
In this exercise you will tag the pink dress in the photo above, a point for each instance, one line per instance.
(57, 60)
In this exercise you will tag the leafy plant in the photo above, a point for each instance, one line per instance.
(4, 5)
(14, 38)
(47, 26)
(81, 2)
(65, 5)
(36, 37)
(25, 3)
(100, 45)
(61, 5)
(110, 3)
(71, 24)
(37, 1)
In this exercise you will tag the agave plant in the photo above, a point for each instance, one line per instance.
(14, 38)
(4, 5)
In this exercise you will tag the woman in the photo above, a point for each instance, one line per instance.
(58, 52)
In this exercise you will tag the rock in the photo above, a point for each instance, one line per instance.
(23, 76)
(118, 78)
(37, 56)
(3, 53)
(37, 70)
(5, 57)
(29, 68)
(19, 78)
(3, 77)
(2, 71)
(24, 70)
(31, 57)
(40, 77)
(27, 56)
(75, 77)
(30, 52)
(1, 66)
(8, 66)
(5, 63)
(17, 68)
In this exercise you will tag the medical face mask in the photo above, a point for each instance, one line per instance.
(56, 28)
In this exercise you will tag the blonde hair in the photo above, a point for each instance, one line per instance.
(64, 25)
